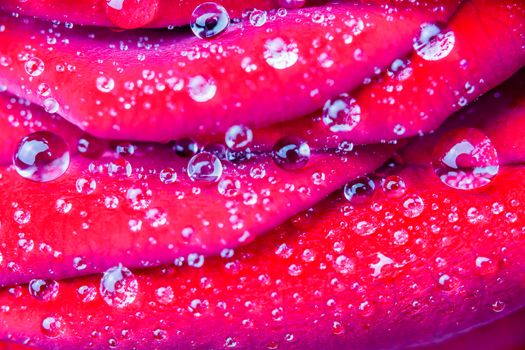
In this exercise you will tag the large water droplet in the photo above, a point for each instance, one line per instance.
(34, 66)
(434, 42)
(41, 156)
(119, 287)
(204, 167)
(341, 113)
(44, 290)
(291, 153)
(209, 19)
(465, 159)
(281, 53)
(258, 18)
(238, 137)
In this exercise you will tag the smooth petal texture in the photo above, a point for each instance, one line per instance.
(104, 81)
(420, 94)
(361, 280)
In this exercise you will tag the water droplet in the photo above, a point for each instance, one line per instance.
(156, 217)
(208, 20)
(119, 287)
(238, 137)
(186, 147)
(465, 159)
(343, 264)
(79, 263)
(168, 176)
(400, 237)
(341, 113)
(413, 206)
(281, 53)
(229, 187)
(486, 266)
(498, 306)
(44, 290)
(34, 66)
(41, 157)
(125, 149)
(291, 153)
(258, 18)
(139, 196)
(435, 42)
(130, 14)
(165, 295)
(202, 89)
(360, 190)
(43, 90)
(90, 147)
(204, 167)
(105, 84)
(394, 186)
(86, 185)
(22, 216)
(52, 326)
(51, 105)
(86, 293)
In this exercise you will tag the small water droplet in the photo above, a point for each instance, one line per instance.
(52, 326)
(291, 153)
(413, 206)
(168, 176)
(119, 287)
(51, 105)
(281, 53)
(139, 196)
(465, 159)
(204, 167)
(44, 290)
(393, 186)
(258, 18)
(435, 42)
(34, 66)
(238, 137)
(105, 84)
(209, 19)
(86, 185)
(360, 190)
(41, 157)
(341, 113)
(201, 89)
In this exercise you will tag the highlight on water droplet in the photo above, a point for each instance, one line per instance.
(105, 84)
(34, 66)
(119, 287)
(44, 290)
(41, 156)
(359, 190)
(291, 153)
(341, 113)
(465, 159)
(434, 42)
(201, 89)
(208, 20)
(52, 326)
(204, 167)
(258, 18)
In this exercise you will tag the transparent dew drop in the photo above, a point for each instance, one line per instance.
(125, 149)
(119, 168)
(41, 157)
(119, 287)
(34, 66)
(168, 176)
(204, 167)
(105, 84)
(281, 53)
(43, 90)
(229, 187)
(217, 149)
(291, 4)
(52, 326)
(209, 20)
(201, 89)
(139, 196)
(486, 266)
(87, 293)
(51, 105)
(412, 206)
(434, 42)
(465, 159)
(341, 113)
(291, 153)
(86, 185)
(90, 147)
(44, 290)
(258, 18)
(393, 186)
(238, 137)
(186, 147)
(359, 190)
(130, 14)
